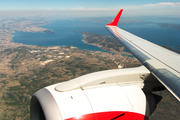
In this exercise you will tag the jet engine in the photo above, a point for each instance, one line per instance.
(106, 95)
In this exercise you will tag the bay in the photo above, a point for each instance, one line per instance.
(66, 36)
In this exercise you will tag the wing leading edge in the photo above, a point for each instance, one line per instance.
(162, 63)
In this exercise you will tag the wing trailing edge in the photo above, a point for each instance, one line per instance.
(162, 63)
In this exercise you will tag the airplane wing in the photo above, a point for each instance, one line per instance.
(162, 63)
(117, 94)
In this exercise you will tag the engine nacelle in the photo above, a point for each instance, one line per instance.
(106, 95)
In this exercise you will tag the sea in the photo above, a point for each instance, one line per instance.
(66, 35)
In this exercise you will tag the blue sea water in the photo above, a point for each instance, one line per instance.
(153, 33)
(65, 34)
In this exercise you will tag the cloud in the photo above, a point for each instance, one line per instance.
(132, 7)
(163, 4)
(79, 8)
(159, 9)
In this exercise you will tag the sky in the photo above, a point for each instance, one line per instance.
(89, 8)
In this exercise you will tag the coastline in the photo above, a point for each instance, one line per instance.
(99, 43)
(84, 40)
(6, 37)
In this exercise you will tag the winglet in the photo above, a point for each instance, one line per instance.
(116, 19)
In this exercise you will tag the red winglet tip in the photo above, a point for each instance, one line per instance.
(116, 19)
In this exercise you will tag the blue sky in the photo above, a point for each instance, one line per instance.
(70, 4)
(89, 7)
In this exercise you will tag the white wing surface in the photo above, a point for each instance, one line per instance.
(162, 63)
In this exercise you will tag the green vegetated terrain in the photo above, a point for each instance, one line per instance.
(25, 70)
(103, 41)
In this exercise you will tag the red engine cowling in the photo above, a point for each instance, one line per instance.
(106, 95)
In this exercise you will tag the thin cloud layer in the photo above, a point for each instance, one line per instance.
(158, 9)
(79, 8)
(164, 4)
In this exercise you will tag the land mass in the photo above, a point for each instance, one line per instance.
(103, 41)
(24, 69)
(109, 19)
(169, 26)
(9, 26)
(111, 44)
(49, 31)
(129, 20)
